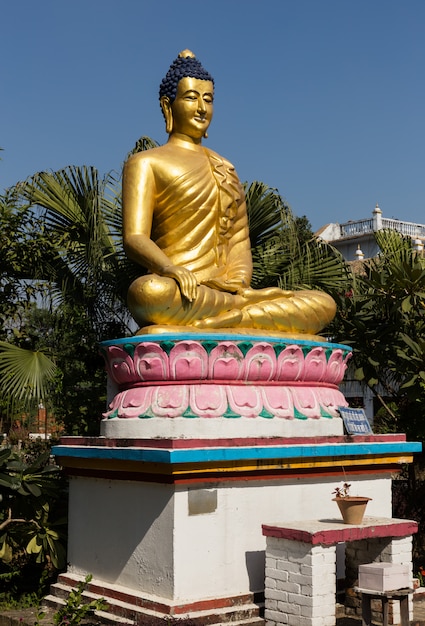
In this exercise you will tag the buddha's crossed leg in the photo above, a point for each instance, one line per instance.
(154, 299)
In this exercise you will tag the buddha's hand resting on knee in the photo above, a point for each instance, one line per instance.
(186, 280)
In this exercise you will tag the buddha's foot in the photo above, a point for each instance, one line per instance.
(228, 319)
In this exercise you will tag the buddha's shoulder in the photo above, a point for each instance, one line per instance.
(145, 157)
(163, 156)
(214, 156)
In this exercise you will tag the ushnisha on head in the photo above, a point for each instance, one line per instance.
(186, 97)
(185, 66)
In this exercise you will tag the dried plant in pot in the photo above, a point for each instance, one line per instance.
(352, 508)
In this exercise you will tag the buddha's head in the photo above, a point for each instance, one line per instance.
(186, 96)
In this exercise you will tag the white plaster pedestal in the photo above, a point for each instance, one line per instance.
(300, 582)
(172, 529)
(208, 436)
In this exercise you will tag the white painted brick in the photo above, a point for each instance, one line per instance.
(276, 574)
(307, 570)
(301, 559)
(301, 579)
(282, 544)
(295, 546)
(330, 556)
(289, 567)
(292, 587)
(271, 604)
(298, 620)
(307, 590)
(298, 598)
(270, 582)
(289, 608)
(275, 542)
(281, 585)
(307, 601)
(274, 616)
(317, 601)
(277, 550)
(275, 594)
(325, 588)
(319, 610)
(317, 560)
(323, 572)
(270, 562)
(284, 565)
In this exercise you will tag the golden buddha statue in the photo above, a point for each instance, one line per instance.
(185, 220)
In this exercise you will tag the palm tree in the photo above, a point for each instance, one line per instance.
(383, 320)
(279, 257)
(24, 377)
(79, 255)
(82, 256)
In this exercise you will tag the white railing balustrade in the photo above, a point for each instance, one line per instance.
(362, 227)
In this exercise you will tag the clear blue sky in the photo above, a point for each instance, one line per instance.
(323, 99)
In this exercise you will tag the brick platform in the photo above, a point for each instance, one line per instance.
(300, 580)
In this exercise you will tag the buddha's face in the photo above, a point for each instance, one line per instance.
(192, 109)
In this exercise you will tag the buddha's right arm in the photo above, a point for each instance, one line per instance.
(138, 203)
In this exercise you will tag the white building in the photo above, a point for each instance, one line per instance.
(355, 239)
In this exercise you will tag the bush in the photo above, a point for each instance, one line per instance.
(33, 523)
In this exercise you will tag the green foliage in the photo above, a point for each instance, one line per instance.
(284, 250)
(22, 245)
(81, 275)
(32, 511)
(78, 210)
(62, 248)
(383, 318)
(24, 374)
(76, 609)
(24, 585)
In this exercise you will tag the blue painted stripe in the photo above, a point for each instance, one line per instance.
(218, 337)
(203, 455)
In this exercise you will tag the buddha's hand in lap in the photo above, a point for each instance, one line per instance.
(268, 293)
(231, 285)
(186, 280)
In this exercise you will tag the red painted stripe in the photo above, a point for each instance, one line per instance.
(155, 605)
(330, 536)
(222, 442)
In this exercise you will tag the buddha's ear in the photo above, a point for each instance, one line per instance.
(168, 113)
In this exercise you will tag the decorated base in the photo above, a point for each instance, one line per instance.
(195, 455)
(223, 385)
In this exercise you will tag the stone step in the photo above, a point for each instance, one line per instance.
(126, 613)
(54, 603)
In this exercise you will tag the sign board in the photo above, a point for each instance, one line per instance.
(355, 421)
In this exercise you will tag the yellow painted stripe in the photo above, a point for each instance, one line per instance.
(185, 469)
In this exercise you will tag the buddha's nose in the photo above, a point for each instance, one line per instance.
(201, 105)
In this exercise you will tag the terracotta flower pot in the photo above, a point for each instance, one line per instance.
(352, 508)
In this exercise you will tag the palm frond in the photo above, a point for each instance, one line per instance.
(319, 265)
(268, 214)
(79, 210)
(24, 374)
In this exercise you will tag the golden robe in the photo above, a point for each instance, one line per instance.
(191, 204)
